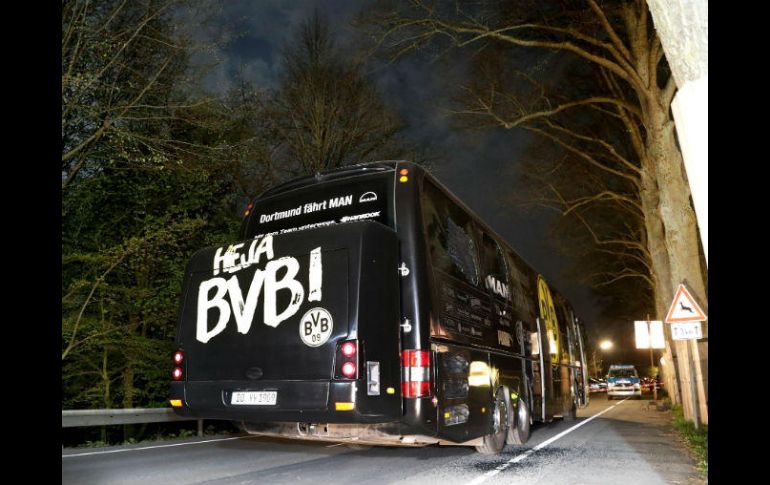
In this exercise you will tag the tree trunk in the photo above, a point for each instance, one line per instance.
(681, 242)
(128, 397)
(661, 270)
(107, 399)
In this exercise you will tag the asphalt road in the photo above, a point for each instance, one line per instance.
(612, 442)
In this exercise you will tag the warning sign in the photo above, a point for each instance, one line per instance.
(684, 308)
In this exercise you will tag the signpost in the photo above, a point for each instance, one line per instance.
(685, 317)
(649, 335)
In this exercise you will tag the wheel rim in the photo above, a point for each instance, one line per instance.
(523, 417)
(499, 416)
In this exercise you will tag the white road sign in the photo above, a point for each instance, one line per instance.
(686, 331)
(649, 335)
(684, 308)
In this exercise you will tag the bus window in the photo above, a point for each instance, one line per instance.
(495, 274)
(449, 231)
(522, 295)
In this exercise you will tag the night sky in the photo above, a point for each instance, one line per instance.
(481, 167)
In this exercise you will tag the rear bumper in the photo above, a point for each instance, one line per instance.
(297, 401)
(624, 392)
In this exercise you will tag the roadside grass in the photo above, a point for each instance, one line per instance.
(697, 439)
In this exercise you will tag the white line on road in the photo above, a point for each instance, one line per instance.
(153, 447)
(483, 478)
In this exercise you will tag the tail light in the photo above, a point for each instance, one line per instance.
(177, 373)
(347, 360)
(415, 373)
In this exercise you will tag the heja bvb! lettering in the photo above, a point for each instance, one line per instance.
(227, 297)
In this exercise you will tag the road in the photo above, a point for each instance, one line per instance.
(611, 442)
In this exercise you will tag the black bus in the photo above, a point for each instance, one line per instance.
(367, 304)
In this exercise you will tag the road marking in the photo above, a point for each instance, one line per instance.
(153, 447)
(516, 459)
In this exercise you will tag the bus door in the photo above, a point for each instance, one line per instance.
(583, 381)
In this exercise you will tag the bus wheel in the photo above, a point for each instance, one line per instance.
(518, 434)
(493, 443)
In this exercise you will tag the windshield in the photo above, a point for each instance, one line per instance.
(623, 373)
(365, 197)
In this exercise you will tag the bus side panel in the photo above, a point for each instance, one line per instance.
(419, 414)
(464, 387)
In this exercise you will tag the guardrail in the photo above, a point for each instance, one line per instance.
(108, 417)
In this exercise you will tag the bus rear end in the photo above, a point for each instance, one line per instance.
(298, 323)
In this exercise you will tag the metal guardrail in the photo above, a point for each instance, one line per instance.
(108, 417)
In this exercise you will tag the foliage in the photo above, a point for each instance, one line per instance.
(154, 170)
(327, 113)
(151, 172)
(696, 439)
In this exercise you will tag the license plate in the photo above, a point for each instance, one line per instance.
(254, 398)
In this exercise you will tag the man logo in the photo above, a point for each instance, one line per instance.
(316, 327)
(368, 197)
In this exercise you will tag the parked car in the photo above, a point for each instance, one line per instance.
(596, 385)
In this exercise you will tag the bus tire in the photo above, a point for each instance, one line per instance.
(518, 433)
(494, 442)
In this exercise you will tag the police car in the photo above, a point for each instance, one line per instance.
(623, 381)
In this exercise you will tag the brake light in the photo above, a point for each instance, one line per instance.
(348, 349)
(177, 373)
(415, 373)
(349, 369)
(347, 360)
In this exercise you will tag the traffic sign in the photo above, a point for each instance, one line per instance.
(684, 308)
(686, 330)
(649, 334)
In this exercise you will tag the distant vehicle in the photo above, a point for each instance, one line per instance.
(623, 381)
(597, 385)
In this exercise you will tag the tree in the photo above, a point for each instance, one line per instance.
(122, 66)
(152, 170)
(327, 113)
(618, 40)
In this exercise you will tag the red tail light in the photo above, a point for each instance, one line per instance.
(348, 349)
(177, 373)
(349, 369)
(415, 373)
(346, 366)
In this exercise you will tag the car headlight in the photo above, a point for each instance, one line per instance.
(636, 386)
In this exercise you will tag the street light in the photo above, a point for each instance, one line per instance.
(605, 345)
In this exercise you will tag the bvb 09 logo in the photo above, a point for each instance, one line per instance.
(315, 327)
(548, 312)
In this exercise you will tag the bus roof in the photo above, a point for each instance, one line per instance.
(331, 174)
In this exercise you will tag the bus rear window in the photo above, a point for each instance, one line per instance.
(352, 199)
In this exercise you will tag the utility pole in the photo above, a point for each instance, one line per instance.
(652, 363)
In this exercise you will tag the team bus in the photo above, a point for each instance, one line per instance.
(368, 304)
